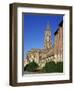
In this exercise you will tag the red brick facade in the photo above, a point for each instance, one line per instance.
(58, 44)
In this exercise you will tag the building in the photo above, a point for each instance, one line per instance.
(48, 53)
(58, 44)
(47, 38)
(41, 56)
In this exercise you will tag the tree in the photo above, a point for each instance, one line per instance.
(49, 67)
(59, 67)
(53, 67)
(31, 67)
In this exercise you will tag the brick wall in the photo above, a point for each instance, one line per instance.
(58, 44)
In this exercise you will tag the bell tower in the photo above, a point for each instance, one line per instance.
(47, 38)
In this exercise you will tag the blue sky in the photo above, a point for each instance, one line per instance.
(34, 27)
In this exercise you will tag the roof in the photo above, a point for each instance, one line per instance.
(60, 25)
(56, 31)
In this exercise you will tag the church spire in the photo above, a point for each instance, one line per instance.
(47, 38)
(48, 27)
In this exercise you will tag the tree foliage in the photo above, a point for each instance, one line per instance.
(59, 67)
(53, 67)
(31, 67)
(50, 67)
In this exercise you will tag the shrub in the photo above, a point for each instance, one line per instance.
(52, 67)
(49, 67)
(59, 67)
(31, 67)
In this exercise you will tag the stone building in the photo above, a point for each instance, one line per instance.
(41, 56)
(48, 53)
(47, 38)
(58, 44)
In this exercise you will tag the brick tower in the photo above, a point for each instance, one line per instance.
(47, 38)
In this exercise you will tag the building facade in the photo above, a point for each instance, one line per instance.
(48, 53)
(58, 44)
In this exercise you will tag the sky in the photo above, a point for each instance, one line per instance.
(34, 26)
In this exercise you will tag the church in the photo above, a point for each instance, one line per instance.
(48, 52)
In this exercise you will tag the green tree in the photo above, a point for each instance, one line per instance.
(59, 67)
(49, 67)
(31, 67)
(53, 67)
